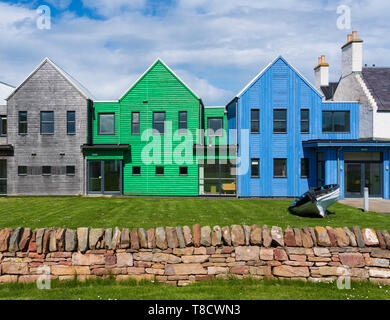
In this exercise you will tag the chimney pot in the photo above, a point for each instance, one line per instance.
(354, 35)
(349, 38)
(322, 58)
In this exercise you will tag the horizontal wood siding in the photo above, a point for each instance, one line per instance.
(280, 86)
(159, 90)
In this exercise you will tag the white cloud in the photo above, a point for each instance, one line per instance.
(60, 4)
(216, 48)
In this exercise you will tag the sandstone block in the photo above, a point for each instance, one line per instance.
(184, 269)
(82, 239)
(95, 235)
(237, 235)
(322, 237)
(196, 235)
(351, 235)
(151, 239)
(70, 240)
(280, 255)
(342, 237)
(14, 240)
(125, 238)
(266, 254)
(187, 236)
(247, 233)
(291, 272)
(134, 239)
(216, 236)
(108, 238)
(180, 237)
(226, 236)
(298, 237)
(255, 236)
(247, 253)
(289, 237)
(277, 236)
(25, 239)
(161, 240)
(195, 259)
(370, 238)
(124, 259)
(332, 236)
(359, 236)
(205, 236)
(353, 260)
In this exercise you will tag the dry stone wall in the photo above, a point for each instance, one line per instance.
(183, 255)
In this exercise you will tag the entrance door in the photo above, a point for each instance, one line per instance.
(3, 177)
(361, 175)
(95, 176)
(104, 176)
(353, 179)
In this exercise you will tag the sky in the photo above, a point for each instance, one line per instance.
(215, 46)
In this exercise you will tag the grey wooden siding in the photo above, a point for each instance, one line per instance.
(46, 90)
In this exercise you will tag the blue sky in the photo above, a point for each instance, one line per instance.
(215, 46)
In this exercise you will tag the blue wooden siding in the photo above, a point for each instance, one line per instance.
(282, 87)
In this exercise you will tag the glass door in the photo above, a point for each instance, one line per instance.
(105, 176)
(94, 176)
(373, 178)
(112, 173)
(353, 179)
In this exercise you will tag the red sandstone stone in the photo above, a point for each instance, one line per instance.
(239, 270)
(196, 235)
(289, 237)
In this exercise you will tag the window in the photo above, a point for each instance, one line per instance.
(280, 120)
(255, 121)
(135, 129)
(159, 171)
(304, 168)
(22, 122)
(70, 170)
(3, 126)
(335, 121)
(280, 168)
(182, 122)
(215, 127)
(159, 122)
(22, 170)
(305, 128)
(255, 172)
(106, 123)
(136, 171)
(46, 170)
(3, 176)
(183, 171)
(47, 122)
(71, 122)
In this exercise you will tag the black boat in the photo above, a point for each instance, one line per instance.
(316, 201)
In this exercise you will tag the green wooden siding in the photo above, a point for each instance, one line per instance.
(158, 90)
(105, 107)
(215, 113)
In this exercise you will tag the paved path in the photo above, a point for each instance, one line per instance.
(376, 205)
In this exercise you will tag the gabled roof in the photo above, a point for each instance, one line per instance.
(378, 82)
(158, 60)
(266, 69)
(77, 85)
(5, 91)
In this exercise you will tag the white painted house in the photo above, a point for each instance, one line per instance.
(368, 85)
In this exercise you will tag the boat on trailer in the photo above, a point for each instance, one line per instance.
(316, 201)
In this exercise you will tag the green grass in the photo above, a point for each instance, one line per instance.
(101, 212)
(246, 289)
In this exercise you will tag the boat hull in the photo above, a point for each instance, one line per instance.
(315, 202)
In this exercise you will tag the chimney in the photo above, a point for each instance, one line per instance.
(352, 55)
(321, 73)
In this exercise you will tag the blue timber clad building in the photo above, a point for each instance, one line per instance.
(290, 139)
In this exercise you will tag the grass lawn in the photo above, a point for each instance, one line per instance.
(102, 212)
(247, 289)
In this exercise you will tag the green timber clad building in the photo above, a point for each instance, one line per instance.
(144, 143)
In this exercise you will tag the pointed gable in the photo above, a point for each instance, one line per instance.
(5, 91)
(159, 78)
(49, 66)
(278, 73)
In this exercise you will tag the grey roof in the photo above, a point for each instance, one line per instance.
(330, 90)
(378, 82)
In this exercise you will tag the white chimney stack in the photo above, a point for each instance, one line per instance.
(352, 55)
(321, 73)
